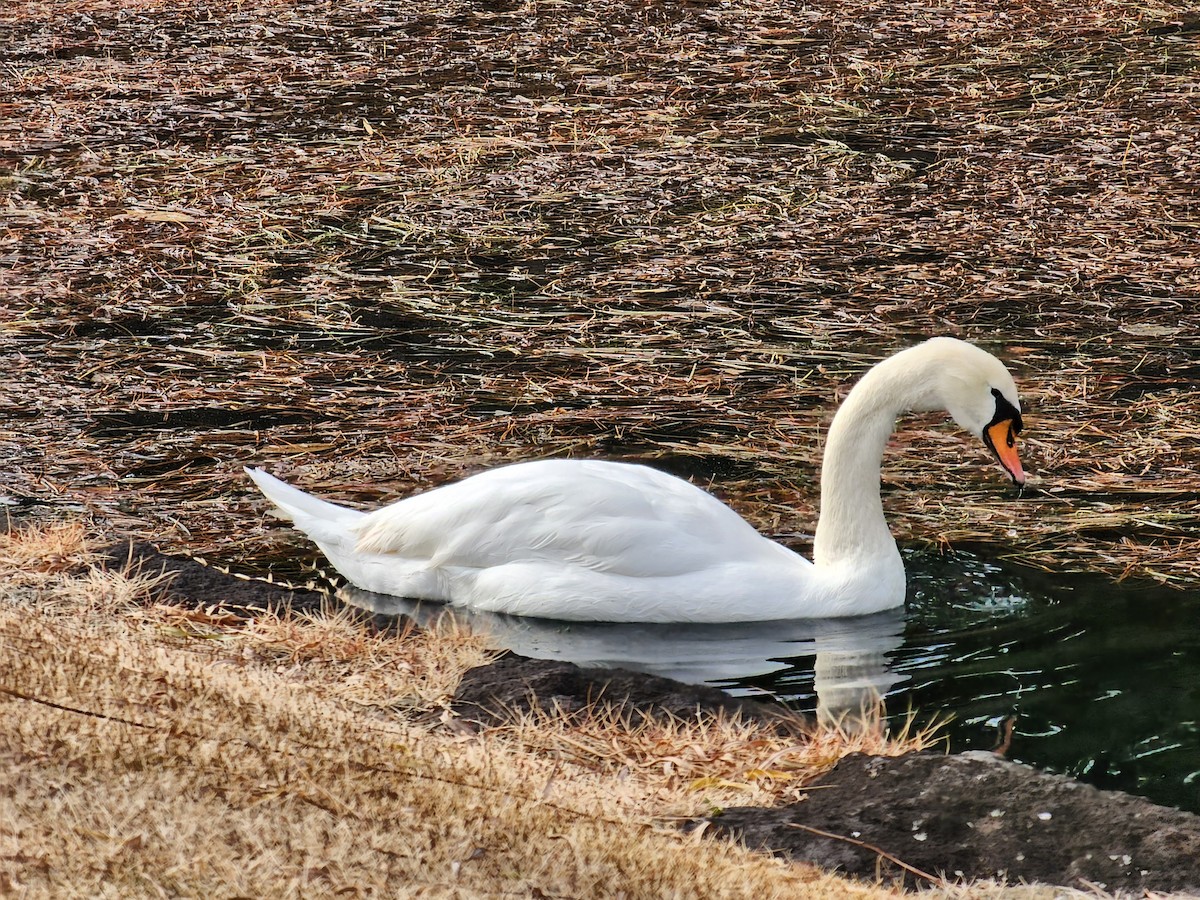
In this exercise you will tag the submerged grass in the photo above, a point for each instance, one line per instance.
(377, 246)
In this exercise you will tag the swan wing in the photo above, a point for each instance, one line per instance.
(615, 518)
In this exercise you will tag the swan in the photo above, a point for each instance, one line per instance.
(590, 540)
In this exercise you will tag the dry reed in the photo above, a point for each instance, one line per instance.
(655, 232)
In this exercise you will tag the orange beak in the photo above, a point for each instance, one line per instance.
(1001, 439)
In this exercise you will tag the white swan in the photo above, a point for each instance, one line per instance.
(587, 540)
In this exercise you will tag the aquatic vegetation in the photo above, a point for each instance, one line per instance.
(380, 237)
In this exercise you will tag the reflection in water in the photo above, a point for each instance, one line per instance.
(851, 669)
(1100, 680)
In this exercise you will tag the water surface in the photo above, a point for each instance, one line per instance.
(1076, 675)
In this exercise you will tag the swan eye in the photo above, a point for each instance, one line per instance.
(1005, 411)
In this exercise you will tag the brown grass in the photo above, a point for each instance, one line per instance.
(159, 751)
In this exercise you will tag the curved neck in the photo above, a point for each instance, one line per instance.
(851, 524)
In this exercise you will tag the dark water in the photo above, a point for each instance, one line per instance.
(1098, 680)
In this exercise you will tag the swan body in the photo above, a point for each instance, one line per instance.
(589, 540)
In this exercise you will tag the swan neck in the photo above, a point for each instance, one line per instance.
(852, 526)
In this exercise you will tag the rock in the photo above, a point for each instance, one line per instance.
(193, 582)
(489, 694)
(974, 816)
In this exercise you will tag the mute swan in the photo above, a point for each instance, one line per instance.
(588, 540)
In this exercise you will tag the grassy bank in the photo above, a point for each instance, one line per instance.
(155, 750)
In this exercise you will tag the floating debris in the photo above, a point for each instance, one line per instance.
(383, 245)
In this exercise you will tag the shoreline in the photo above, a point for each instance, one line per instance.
(1035, 827)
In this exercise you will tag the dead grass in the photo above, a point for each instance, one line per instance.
(154, 750)
(705, 764)
(158, 751)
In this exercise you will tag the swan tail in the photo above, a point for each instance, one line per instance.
(305, 510)
(334, 530)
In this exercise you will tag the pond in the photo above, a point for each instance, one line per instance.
(1078, 675)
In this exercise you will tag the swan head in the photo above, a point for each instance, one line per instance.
(980, 395)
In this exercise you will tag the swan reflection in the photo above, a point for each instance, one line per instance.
(851, 672)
